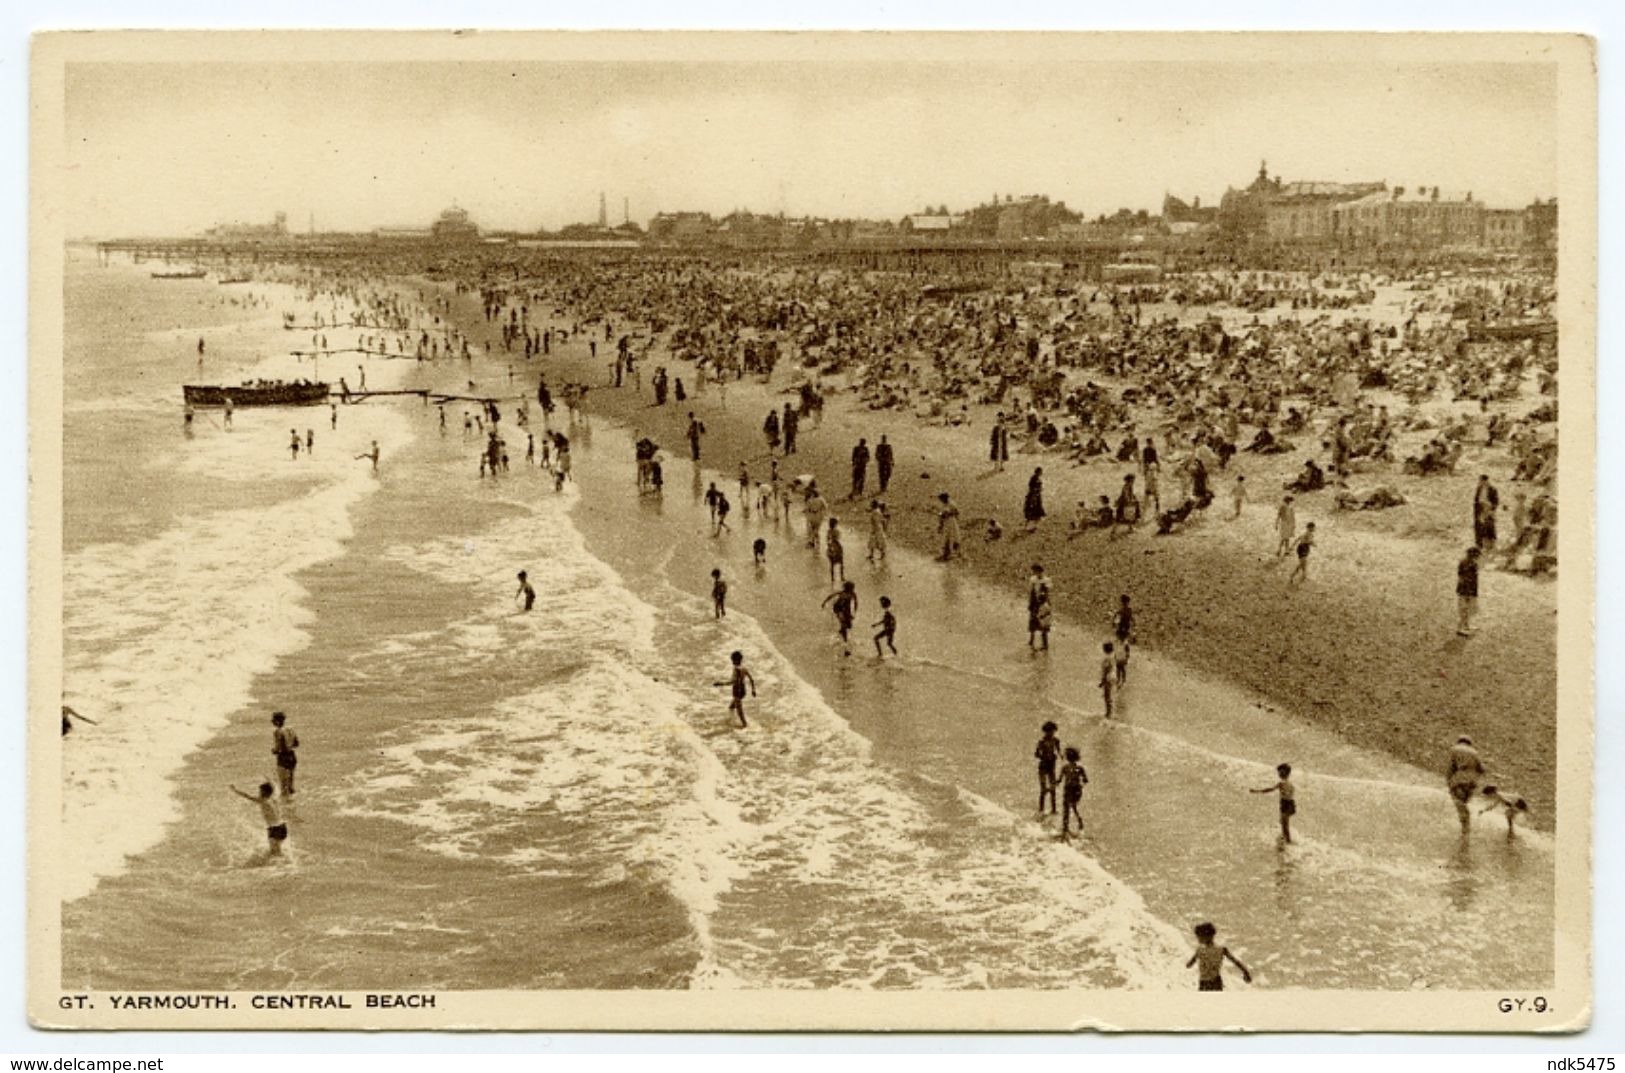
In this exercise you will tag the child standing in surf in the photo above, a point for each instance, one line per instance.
(1072, 779)
(719, 595)
(1048, 753)
(741, 678)
(1289, 801)
(276, 830)
(1209, 960)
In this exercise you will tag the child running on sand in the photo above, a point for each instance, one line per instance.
(719, 594)
(1289, 803)
(1047, 753)
(741, 678)
(525, 593)
(1073, 778)
(845, 608)
(1511, 805)
(1209, 960)
(835, 552)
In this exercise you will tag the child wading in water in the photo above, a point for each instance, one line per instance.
(719, 594)
(741, 678)
(845, 608)
(1048, 753)
(1209, 960)
(888, 628)
(276, 830)
(1289, 803)
(1072, 779)
(1511, 805)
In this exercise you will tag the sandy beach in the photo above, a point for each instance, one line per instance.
(1379, 664)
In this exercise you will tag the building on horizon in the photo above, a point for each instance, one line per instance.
(454, 226)
(238, 232)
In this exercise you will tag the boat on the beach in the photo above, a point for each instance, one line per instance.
(1512, 331)
(235, 279)
(257, 393)
(196, 273)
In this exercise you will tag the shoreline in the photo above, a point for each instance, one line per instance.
(1215, 601)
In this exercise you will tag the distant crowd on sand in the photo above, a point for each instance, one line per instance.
(1173, 382)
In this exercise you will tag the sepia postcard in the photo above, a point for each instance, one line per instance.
(955, 531)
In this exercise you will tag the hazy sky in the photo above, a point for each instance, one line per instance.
(173, 148)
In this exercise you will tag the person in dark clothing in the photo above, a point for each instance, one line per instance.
(791, 425)
(883, 462)
(696, 429)
(1032, 508)
(860, 468)
(1467, 591)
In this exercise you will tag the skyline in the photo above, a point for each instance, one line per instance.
(166, 148)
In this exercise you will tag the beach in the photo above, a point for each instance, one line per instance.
(491, 798)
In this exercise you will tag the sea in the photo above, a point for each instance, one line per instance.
(495, 799)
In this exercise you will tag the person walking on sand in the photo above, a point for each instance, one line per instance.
(1486, 501)
(1286, 524)
(814, 507)
(888, 628)
(739, 680)
(723, 506)
(310, 442)
(835, 552)
(878, 523)
(1037, 601)
(276, 829)
(1123, 630)
(696, 429)
(998, 443)
(1072, 779)
(284, 742)
(844, 603)
(1108, 676)
(1289, 803)
(1306, 541)
(884, 460)
(947, 526)
(1465, 768)
(372, 454)
(719, 595)
(225, 417)
(1048, 754)
(293, 443)
(1466, 592)
(526, 594)
(1209, 960)
(1238, 495)
(1032, 508)
(860, 468)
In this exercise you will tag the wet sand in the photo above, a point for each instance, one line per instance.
(1367, 649)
